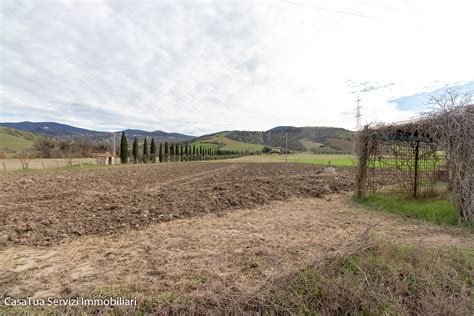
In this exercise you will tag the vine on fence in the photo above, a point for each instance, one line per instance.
(432, 153)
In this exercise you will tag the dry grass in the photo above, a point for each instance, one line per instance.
(226, 262)
(44, 163)
(380, 277)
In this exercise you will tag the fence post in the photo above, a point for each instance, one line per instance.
(363, 155)
(42, 164)
(415, 177)
(4, 167)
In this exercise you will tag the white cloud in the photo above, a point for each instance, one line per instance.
(199, 67)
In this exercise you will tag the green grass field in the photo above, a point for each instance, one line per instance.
(338, 160)
(334, 160)
(222, 142)
(307, 158)
(13, 140)
(423, 165)
(436, 210)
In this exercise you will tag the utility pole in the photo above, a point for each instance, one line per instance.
(286, 147)
(113, 138)
(358, 115)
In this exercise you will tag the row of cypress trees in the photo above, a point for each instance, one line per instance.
(167, 153)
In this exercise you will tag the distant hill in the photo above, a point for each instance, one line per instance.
(13, 140)
(221, 141)
(17, 136)
(316, 139)
(68, 132)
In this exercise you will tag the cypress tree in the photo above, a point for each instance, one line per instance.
(176, 151)
(160, 153)
(181, 151)
(172, 152)
(167, 153)
(123, 149)
(135, 150)
(145, 151)
(153, 151)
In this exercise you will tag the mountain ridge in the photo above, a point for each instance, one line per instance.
(68, 132)
(308, 138)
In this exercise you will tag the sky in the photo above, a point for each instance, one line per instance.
(198, 67)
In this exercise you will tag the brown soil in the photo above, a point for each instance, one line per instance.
(46, 208)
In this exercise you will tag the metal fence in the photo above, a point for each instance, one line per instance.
(15, 164)
(408, 168)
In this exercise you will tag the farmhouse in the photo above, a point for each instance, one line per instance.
(105, 159)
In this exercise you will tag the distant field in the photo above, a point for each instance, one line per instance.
(335, 160)
(220, 141)
(308, 144)
(342, 144)
(206, 145)
(12, 140)
(340, 162)
(306, 158)
(8, 141)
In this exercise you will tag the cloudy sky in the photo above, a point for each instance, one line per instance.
(200, 67)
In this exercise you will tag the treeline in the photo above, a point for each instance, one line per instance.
(52, 148)
(164, 152)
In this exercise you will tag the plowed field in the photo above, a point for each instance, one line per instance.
(45, 208)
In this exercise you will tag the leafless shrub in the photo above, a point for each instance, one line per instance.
(83, 146)
(25, 157)
(452, 124)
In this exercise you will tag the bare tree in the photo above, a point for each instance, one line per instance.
(66, 152)
(83, 147)
(25, 157)
(68, 155)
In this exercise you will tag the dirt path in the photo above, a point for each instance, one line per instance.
(207, 256)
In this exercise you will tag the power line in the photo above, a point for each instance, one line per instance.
(331, 10)
(358, 14)
(392, 9)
